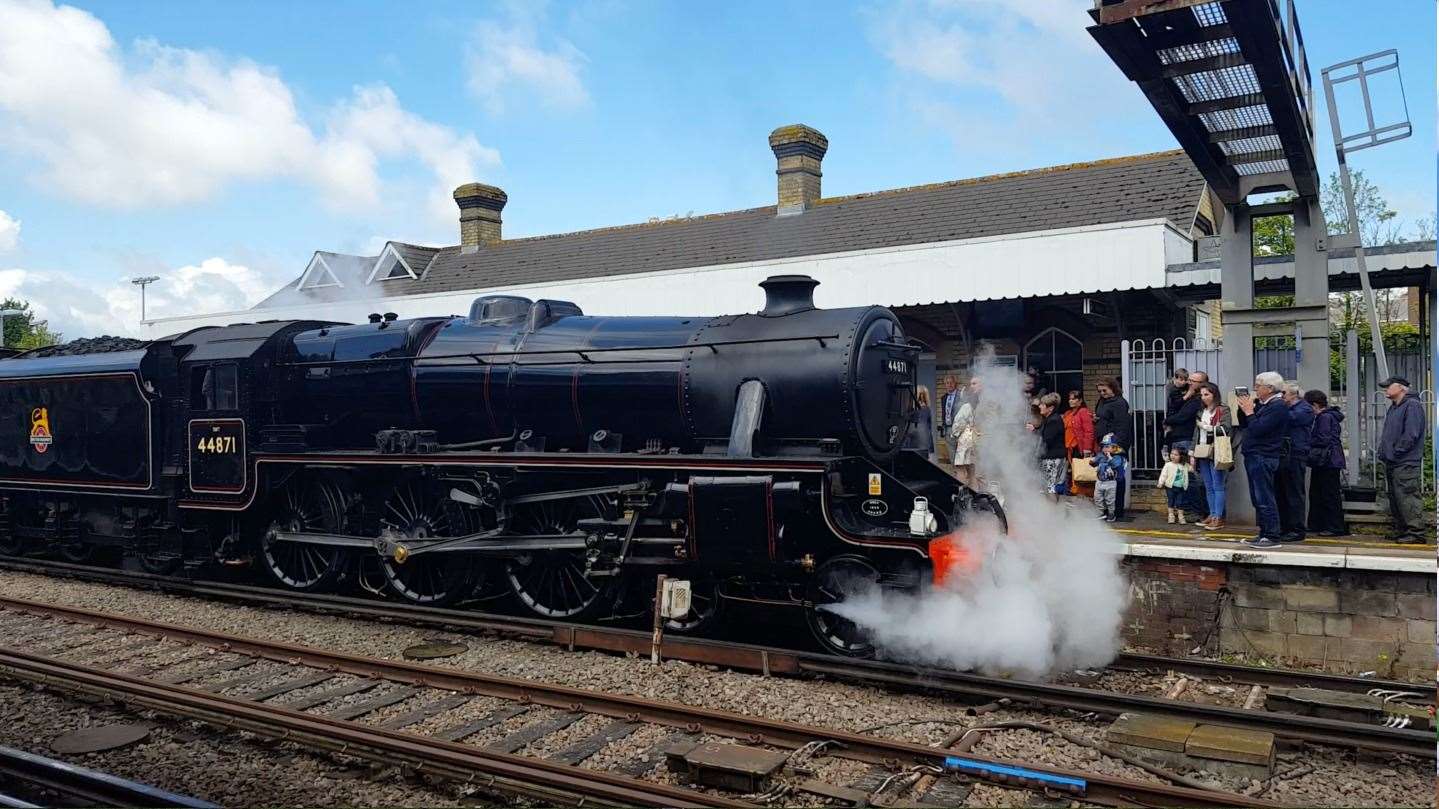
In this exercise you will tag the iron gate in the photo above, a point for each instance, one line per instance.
(1146, 368)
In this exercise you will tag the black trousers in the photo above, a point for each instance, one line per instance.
(1326, 501)
(1289, 495)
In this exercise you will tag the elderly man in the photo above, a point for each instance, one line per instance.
(1289, 481)
(1266, 425)
(1401, 448)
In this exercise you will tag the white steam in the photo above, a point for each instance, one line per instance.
(1048, 597)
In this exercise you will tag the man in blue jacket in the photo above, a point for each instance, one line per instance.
(1289, 480)
(1401, 448)
(1266, 425)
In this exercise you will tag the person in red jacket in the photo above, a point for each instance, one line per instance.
(1078, 438)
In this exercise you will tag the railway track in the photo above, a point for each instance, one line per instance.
(775, 661)
(212, 676)
(28, 780)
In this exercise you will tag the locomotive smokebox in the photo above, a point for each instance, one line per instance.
(787, 294)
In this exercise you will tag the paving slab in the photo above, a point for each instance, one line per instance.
(1231, 744)
(1151, 731)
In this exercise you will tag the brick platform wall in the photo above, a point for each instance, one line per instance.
(1343, 620)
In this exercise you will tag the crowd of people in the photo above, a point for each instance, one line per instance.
(1292, 451)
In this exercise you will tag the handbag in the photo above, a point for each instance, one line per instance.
(1223, 450)
(1203, 449)
(1081, 470)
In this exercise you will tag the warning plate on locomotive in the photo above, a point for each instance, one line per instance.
(874, 507)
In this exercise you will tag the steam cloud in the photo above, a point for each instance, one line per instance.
(1048, 597)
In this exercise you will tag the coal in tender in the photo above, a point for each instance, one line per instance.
(90, 345)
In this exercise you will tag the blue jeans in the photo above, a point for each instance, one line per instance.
(1214, 478)
(1260, 470)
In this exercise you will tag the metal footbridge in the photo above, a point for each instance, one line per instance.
(1229, 79)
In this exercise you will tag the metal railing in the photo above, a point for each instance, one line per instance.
(1147, 365)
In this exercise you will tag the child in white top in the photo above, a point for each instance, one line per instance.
(1175, 478)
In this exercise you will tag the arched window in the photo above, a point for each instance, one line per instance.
(1059, 359)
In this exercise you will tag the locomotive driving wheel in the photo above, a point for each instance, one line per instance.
(418, 511)
(306, 506)
(552, 584)
(838, 579)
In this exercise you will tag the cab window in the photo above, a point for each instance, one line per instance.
(216, 388)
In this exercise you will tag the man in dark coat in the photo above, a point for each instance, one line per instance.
(1289, 481)
(1183, 410)
(1179, 429)
(1266, 425)
(1401, 448)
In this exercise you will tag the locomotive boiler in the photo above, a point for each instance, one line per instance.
(799, 376)
(525, 451)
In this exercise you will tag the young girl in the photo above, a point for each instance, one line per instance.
(1175, 478)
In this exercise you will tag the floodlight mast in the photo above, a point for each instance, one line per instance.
(142, 282)
(1374, 135)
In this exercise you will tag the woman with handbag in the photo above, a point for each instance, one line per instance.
(1326, 462)
(1079, 445)
(964, 430)
(1210, 432)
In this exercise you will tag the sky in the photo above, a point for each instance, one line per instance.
(217, 145)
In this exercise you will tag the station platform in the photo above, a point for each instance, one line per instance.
(1344, 604)
(1357, 552)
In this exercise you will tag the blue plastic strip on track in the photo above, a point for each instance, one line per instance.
(956, 763)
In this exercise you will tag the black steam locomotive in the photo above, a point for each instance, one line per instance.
(525, 450)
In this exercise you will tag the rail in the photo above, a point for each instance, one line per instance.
(90, 787)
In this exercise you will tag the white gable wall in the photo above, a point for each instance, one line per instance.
(1130, 255)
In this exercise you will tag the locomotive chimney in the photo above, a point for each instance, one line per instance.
(798, 150)
(480, 207)
(787, 294)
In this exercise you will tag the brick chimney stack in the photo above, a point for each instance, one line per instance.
(480, 207)
(798, 150)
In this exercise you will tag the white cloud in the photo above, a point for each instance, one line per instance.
(507, 58)
(159, 125)
(996, 73)
(9, 232)
(373, 124)
(79, 308)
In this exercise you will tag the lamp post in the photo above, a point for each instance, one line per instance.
(4, 313)
(142, 282)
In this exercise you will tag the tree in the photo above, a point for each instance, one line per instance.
(1378, 223)
(23, 330)
(1274, 235)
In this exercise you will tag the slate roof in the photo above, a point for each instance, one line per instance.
(1163, 185)
(416, 256)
